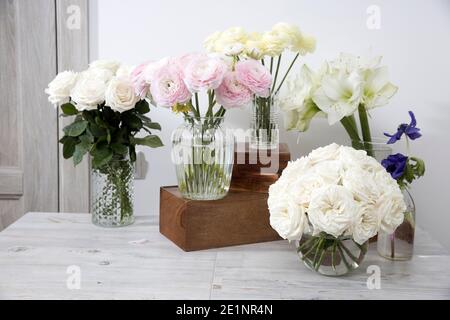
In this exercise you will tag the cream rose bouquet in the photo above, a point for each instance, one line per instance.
(340, 90)
(107, 115)
(333, 201)
(269, 48)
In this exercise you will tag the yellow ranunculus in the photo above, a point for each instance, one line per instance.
(274, 43)
(304, 44)
(210, 42)
(254, 47)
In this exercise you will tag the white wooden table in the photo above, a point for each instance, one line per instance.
(137, 262)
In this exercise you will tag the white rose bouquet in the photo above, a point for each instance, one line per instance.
(269, 48)
(339, 90)
(333, 201)
(108, 113)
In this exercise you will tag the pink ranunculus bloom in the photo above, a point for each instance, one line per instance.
(254, 76)
(152, 67)
(204, 73)
(167, 86)
(183, 61)
(141, 86)
(231, 93)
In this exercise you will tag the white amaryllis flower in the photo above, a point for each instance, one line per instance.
(377, 88)
(59, 89)
(296, 100)
(339, 95)
(332, 210)
(120, 95)
(110, 65)
(88, 92)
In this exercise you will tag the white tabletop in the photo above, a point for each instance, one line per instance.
(137, 262)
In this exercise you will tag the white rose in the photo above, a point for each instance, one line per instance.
(390, 209)
(330, 152)
(297, 168)
(59, 89)
(332, 210)
(362, 184)
(104, 75)
(110, 65)
(88, 92)
(330, 171)
(120, 94)
(287, 218)
(302, 188)
(366, 225)
(124, 71)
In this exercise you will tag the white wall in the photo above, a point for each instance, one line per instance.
(414, 39)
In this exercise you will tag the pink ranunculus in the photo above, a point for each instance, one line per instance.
(254, 76)
(204, 73)
(231, 93)
(152, 67)
(183, 61)
(167, 86)
(141, 86)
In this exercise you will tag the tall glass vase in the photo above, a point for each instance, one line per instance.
(112, 193)
(377, 149)
(264, 123)
(203, 153)
(400, 244)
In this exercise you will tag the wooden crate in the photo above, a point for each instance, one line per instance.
(255, 170)
(239, 218)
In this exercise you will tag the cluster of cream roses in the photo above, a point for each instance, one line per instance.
(105, 81)
(336, 90)
(283, 36)
(337, 190)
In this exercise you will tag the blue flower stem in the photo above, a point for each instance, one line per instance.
(365, 129)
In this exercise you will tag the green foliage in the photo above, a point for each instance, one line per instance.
(414, 169)
(106, 134)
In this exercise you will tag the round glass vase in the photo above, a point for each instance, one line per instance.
(377, 149)
(264, 124)
(331, 256)
(400, 244)
(112, 193)
(203, 154)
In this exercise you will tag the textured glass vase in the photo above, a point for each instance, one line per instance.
(400, 244)
(377, 149)
(112, 194)
(331, 256)
(264, 124)
(203, 154)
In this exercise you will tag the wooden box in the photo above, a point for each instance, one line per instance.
(239, 218)
(255, 170)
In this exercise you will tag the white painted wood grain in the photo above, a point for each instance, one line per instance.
(137, 262)
(73, 54)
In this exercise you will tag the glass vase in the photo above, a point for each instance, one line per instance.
(264, 124)
(112, 193)
(203, 153)
(377, 149)
(329, 255)
(400, 244)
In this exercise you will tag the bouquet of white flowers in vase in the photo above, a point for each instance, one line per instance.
(269, 48)
(339, 90)
(107, 115)
(332, 202)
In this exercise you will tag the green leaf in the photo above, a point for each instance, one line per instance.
(152, 125)
(89, 116)
(99, 121)
(69, 109)
(132, 121)
(102, 157)
(80, 150)
(119, 148)
(142, 107)
(96, 130)
(132, 153)
(151, 141)
(75, 129)
(69, 146)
